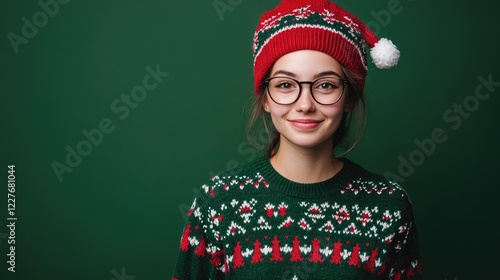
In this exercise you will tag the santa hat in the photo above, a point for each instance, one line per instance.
(318, 25)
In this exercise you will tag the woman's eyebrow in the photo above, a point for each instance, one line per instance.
(285, 73)
(327, 73)
(321, 74)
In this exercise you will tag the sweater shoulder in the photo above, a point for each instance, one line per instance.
(224, 184)
(383, 189)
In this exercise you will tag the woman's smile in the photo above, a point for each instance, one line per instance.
(305, 124)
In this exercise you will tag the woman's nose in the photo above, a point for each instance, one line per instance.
(305, 103)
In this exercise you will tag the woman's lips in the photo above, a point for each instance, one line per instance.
(305, 123)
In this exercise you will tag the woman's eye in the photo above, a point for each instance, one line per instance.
(327, 85)
(284, 85)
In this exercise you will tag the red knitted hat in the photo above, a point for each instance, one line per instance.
(318, 25)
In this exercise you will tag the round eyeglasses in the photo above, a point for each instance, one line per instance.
(324, 90)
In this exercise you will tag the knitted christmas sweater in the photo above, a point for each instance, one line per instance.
(252, 223)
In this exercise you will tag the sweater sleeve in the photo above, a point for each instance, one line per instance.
(200, 253)
(406, 256)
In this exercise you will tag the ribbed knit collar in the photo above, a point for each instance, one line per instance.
(306, 190)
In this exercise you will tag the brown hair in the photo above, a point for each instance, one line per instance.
(345, 137)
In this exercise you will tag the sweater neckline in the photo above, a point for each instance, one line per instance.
(304, 190)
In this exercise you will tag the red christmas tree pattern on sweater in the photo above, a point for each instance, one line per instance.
(296, 255)
(257, 253)
(316, 255)
(276, 254)
(237, 258)
(354, 260)
(337, 249)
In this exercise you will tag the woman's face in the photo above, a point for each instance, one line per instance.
(306, 123)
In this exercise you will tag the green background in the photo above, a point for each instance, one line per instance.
(123, 205)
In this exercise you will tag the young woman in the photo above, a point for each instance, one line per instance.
(301, 211)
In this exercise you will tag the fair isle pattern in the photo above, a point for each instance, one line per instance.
(305, 18)
(239, 222)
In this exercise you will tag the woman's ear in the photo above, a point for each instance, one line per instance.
(266, 106)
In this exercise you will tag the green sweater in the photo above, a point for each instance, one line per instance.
(252, 223)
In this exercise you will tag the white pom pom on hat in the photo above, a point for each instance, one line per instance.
(384, 54)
